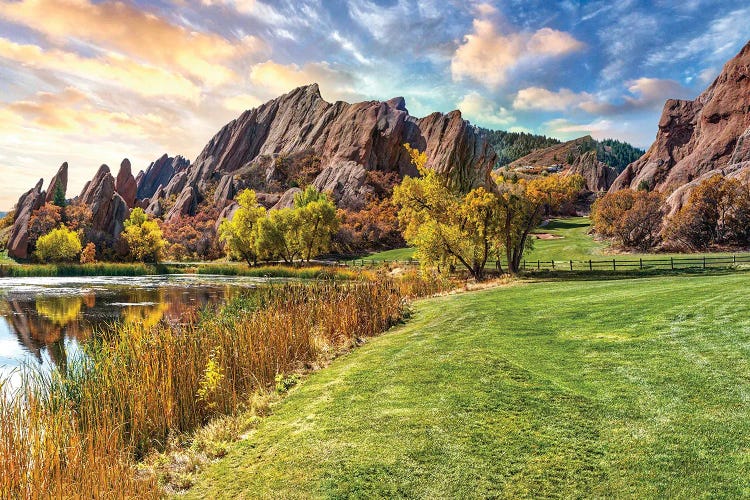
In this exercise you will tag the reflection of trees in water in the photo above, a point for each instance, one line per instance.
(48, 321)
(59, 309)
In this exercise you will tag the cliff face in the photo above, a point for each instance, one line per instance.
(700, 136)
(299, 138)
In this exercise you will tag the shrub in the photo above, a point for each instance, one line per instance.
(717, 212)
(88, 254)
(633, 219)
(59, 245)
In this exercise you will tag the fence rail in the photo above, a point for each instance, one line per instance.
(614, 264)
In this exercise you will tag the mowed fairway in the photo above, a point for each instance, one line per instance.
(632, 388)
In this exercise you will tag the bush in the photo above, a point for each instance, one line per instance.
(59, 245)
(88, 255)
(633, 219)
(716, 213)
(143, 237)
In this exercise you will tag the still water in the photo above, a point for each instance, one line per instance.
(44, 320)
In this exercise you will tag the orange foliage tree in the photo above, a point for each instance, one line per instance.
(633, 219)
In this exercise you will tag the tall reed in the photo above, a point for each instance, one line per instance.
(135, 386)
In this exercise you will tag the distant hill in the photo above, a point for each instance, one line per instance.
(611, 152)
(511, 146)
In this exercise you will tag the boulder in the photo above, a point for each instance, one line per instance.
(598, 176)
(224, 192)
(287, 199)
(108, 208)
(18, 240)
(125, 184)
(346, 183)
(186, 203)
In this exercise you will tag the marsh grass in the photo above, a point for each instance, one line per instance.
(136, 387)
(97, 269)
(302, 272)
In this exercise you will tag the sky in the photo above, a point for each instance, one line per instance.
(92, 82)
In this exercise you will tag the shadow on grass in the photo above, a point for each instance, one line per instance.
(601, 275)
(565, 224)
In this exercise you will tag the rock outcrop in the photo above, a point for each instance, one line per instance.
(18, 241)
(125, 184)
(598, 176)
(109, 210)
(335, 144)
(698, 137)
(61, 179)
(296, 139)
(159, 173)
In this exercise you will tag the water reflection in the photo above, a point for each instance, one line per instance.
(44, 320)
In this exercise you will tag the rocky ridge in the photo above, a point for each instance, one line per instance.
(696, 139)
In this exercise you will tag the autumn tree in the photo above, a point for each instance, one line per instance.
(522, 206)
(240, 234)
(59, 245)
(143, 237)
(318, 221)
(633, 219)
(717, 212)
(445, 227)
(193, 236)
(42, 221)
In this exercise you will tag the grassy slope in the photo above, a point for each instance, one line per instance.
(629, 388)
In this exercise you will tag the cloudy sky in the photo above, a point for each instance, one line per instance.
(92, 82)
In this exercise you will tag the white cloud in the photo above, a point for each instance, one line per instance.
(488, 56)
(482, 111)
(543, 99)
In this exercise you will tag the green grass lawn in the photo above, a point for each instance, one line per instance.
(630, 388)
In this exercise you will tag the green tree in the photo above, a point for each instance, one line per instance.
(59, 245)
(318, 221)
(59, 197)
(143, 237)
(279, 235)
(240, 234)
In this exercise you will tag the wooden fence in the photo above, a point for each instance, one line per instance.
(614, 264)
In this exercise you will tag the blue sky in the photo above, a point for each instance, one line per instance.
(92, 82)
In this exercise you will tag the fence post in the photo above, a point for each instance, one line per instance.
(641, 259)
(671, 261)
(538, 265)
(704, 262)
(734, 259)
(591, 267)
(571, 265)
(614, 265)
(553, 265)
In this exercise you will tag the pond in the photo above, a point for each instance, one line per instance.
(44, 320)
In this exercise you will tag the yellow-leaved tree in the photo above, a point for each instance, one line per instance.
(59, 245)
(143, 237)
(450, 229)
(240, 235)
(447, 228)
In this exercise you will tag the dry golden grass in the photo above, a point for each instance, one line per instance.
(136, 387)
